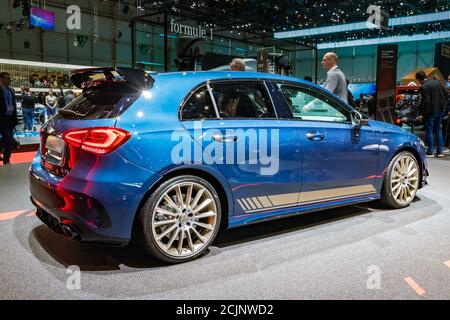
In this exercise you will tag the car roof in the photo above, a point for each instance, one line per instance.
(198, 77)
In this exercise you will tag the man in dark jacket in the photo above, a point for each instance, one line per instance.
(434, 102)
(28, 104)
(446, 123)
(8, 115)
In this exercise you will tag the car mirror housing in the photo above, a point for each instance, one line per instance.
(358, 119)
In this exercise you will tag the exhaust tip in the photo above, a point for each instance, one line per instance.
(69, 232)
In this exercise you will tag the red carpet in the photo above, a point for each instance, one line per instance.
(21, 157)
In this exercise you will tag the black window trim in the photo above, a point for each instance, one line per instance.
(282, 108)
(208, 84)
(271, 100)
(318, 91)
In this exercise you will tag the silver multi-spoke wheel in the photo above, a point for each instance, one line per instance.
(404, 179)
(184, 219)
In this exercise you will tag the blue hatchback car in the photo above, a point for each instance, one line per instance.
(167, 160)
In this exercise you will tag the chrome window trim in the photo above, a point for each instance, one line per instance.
(271, 99)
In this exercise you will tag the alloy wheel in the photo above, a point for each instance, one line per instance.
(405, 180)
(184, 219)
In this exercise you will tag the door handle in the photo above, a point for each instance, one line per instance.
(315, 136)
(221, 138)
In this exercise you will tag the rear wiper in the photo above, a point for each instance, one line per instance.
(72, 113)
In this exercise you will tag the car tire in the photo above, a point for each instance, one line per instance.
(401, 181)
(185, 208)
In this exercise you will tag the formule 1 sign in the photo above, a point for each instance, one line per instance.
(190, 31)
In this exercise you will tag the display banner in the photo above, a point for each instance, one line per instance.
(442, 58)
(386, 82)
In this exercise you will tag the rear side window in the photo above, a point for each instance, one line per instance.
(243, 100)
(199, 106)
(100, 103)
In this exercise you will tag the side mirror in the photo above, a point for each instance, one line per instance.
(359, 120)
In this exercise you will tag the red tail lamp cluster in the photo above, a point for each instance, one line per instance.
(96, 140)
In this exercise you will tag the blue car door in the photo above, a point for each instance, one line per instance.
(256, 151)
(337, 165)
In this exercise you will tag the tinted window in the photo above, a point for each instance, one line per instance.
(243, 100)
(198, 106)
(100, 103)
(310, 105)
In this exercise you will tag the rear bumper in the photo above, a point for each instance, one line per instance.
(80, 224)
(96, 202)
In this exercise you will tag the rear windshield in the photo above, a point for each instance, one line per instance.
(100, 103)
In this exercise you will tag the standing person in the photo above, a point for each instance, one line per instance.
(22, 90)
(69, 97)
(61, 101)
(8, 115)
(447, 116)
(28, 105)
(433, 103)
(336, 80)
(40, 98)
(50, 104)
(446, 128)
(22, 93)
(237, 64)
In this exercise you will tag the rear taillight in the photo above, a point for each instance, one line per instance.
(96, 140)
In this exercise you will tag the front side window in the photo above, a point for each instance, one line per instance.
(314, 106)
(199, 106)
(243, 100)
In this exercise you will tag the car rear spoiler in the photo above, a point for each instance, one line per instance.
(93, 77)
